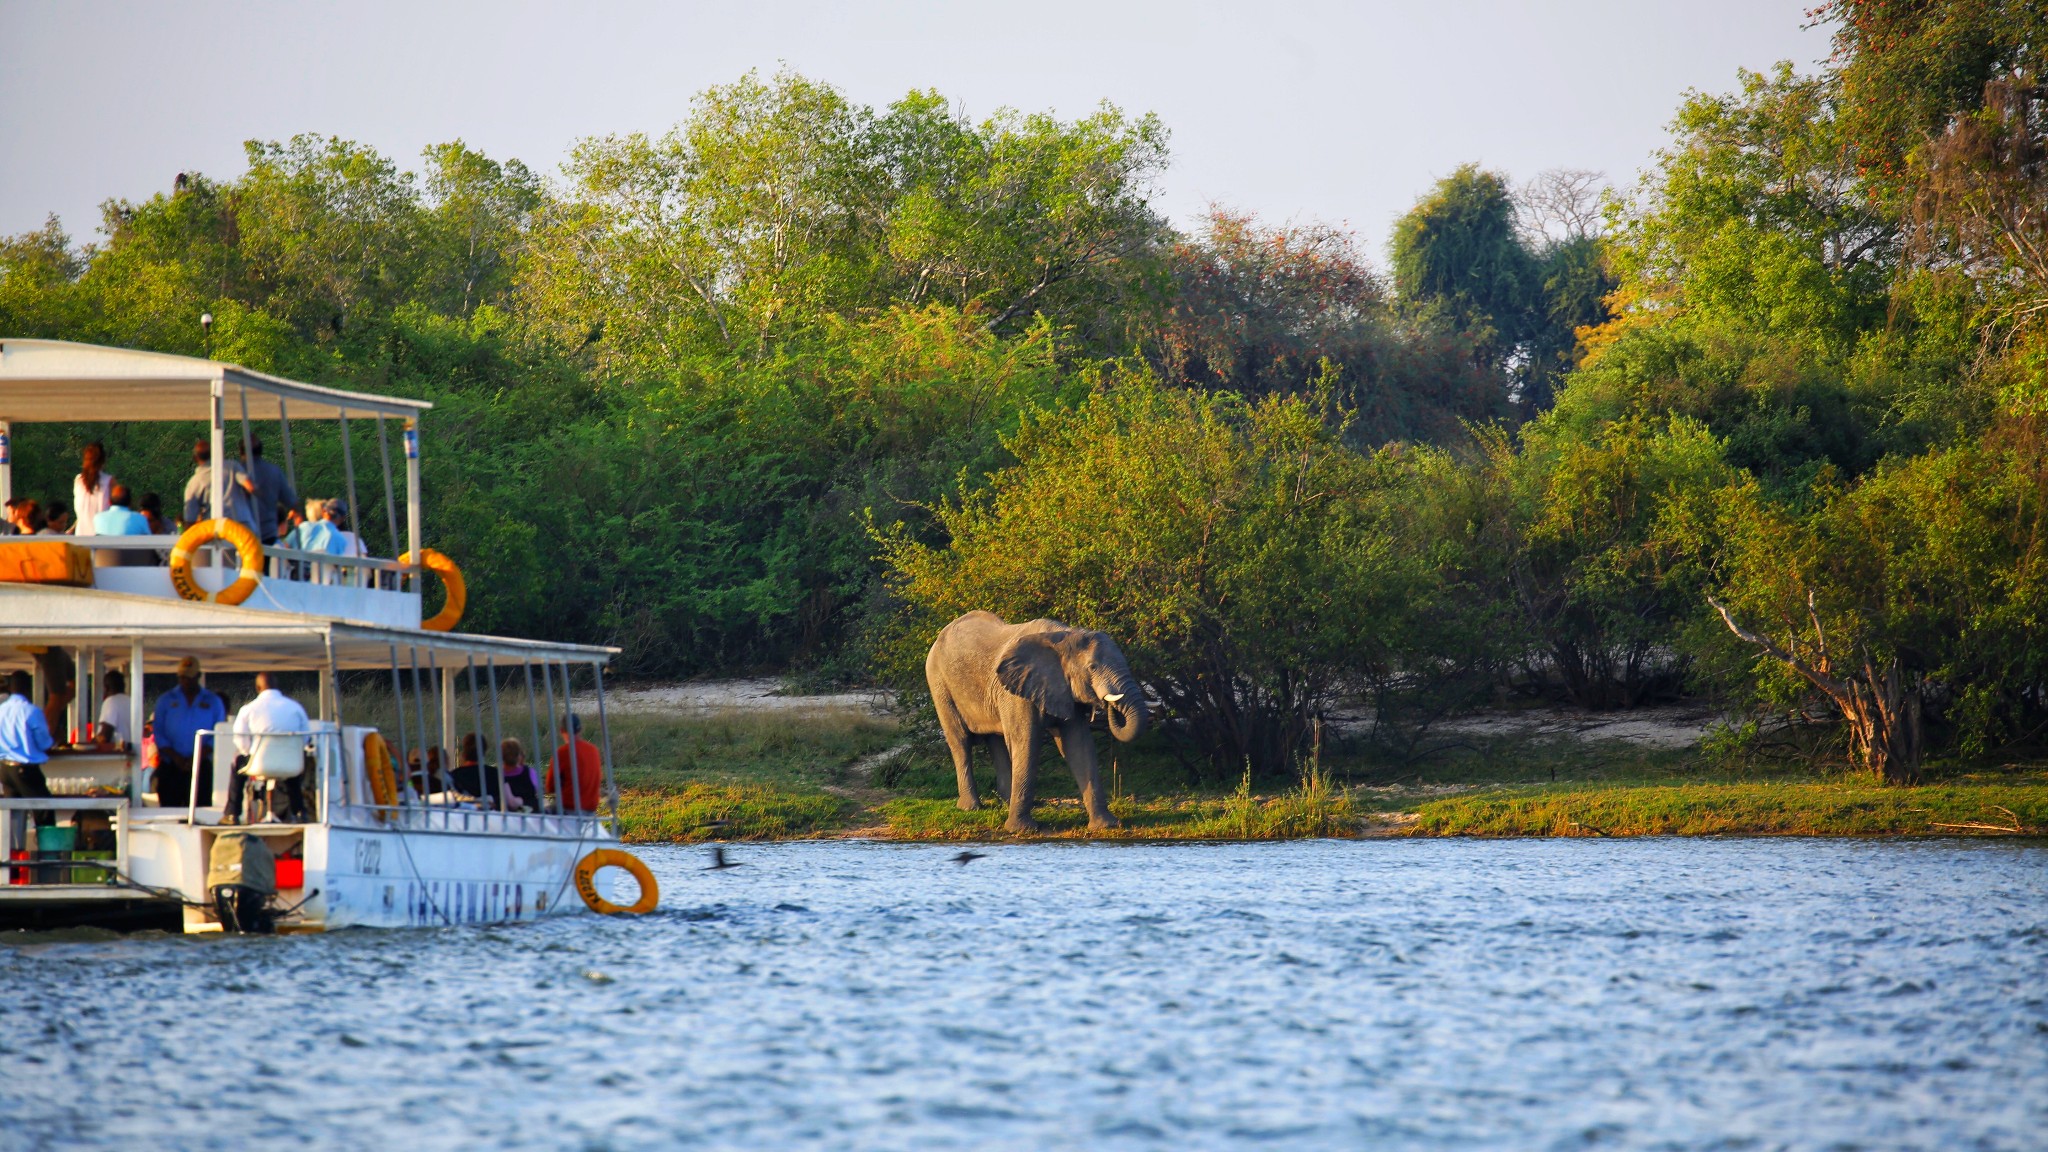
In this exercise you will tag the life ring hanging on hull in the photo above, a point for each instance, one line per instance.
(586, 882)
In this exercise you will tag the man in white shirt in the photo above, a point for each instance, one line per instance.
(113, 725)
(271, 711)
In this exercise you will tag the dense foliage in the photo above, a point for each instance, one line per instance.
(795, 382)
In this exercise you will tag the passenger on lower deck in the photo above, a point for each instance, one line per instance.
(578, 770)
(24, 745)
(181, 715)
(277, 716)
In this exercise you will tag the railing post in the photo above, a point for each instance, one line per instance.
(137, 700)
(6, 460)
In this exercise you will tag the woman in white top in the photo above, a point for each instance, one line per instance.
(92, 490)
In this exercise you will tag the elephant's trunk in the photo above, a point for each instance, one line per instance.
(1127, 715)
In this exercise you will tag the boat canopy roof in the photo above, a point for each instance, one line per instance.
(228, 639)
(45, 381)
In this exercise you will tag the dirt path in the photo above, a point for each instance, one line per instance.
(696, 697)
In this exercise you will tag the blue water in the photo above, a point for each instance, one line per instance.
(1428, 994)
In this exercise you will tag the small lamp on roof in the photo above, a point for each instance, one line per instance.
(206, 332)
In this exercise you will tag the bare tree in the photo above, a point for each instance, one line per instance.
(1562, 204)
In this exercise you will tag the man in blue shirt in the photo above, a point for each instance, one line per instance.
(182, 714)
(24, 745)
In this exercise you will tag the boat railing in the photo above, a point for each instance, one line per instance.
(279, 563)
(340, 794)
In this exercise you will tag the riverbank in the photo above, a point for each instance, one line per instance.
(718, 765)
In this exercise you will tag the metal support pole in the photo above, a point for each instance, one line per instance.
(6, 460)
(291, 466)
(136, 700)
(533, 723)
(476, 715)
(412, 502)
(398, 695)
(419, 702)
(572, 768)
(451, 731)
(348, 468)
(217, 447)
(604, 727)
(390, 503)
(547, 682)
(497, 728)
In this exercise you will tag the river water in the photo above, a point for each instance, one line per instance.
(1388, 994)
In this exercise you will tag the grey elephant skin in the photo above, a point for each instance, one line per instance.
(1009, 685)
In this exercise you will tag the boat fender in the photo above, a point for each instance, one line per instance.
(246, 546)
(586, 882)
(378, 766)
(451, 579)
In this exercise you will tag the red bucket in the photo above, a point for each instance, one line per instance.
(291, 872)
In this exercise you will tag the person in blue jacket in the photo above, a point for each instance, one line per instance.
(181, 715)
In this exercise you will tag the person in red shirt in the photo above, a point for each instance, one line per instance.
(586, 783)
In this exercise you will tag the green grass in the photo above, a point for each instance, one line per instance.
(1790, 809)
(750, 775)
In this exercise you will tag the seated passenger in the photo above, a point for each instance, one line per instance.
(120, 520)
(578, 768)
(57, 521)
(270, 712)
(522, 784)
(153, 511)
(24, 516)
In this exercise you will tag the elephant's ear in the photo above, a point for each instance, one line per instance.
(1030, 667)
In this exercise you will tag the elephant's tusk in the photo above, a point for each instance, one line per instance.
(1113, 698)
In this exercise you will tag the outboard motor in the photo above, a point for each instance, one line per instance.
(241, 873)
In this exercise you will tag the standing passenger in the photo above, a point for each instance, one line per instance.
(181, 715)
(92, 490)
(112, 730)
(273, 491)
(24, 746)
(237, 496)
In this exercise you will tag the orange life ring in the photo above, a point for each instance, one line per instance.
(247, 547)
(586, 882)
(451, 579)
(378, 766)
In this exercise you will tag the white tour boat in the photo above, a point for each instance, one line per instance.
(372, 842)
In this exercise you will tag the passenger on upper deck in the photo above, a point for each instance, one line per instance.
(92, 490)
(118, 518)
(238, 497)
(584, 793)
(57, 520)
(273, 492)
(152, 508)
(24, 517)
(270, 712)
(181, 714)
(24, 745)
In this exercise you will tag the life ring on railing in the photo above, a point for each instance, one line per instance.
(451, 579)
(378, 766)
(246, 546)
(586, 882)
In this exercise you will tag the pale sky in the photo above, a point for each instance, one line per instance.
(1337, 112)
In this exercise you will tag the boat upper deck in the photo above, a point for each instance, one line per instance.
(54, 381)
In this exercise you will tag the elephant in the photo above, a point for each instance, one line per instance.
(1007, 684)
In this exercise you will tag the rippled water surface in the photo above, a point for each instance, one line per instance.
(1646, 994)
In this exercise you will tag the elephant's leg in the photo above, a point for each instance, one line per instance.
(961, 744)
(999, 751)
(1077, 744)
(1023, 750)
